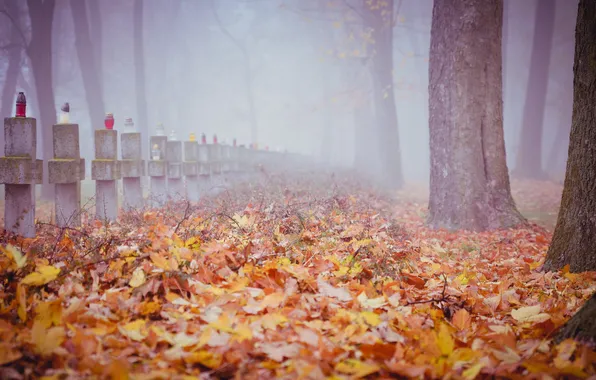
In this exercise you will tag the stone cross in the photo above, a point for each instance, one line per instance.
(20, 171)
(215, 165)
(66, 170)
(204, 169)
(105, 170)
(157, 170)
(174, 163)
(132, 168)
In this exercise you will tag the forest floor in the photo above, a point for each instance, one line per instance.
(305, 278)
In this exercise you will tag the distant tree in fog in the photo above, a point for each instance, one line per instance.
(89, 61)
(39, 50)
(13, 49)
(469, 181)
(529, 154)
(139, 66)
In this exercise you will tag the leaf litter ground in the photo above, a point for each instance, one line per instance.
(306, 277)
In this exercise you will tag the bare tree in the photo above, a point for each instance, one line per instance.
(469, 181)
(574, 239)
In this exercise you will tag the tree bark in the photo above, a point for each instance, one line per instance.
(574, 239)
(582, 326)
(39, 51)
(87, 62)
(381, 22)
(529, 154)
(469, 182)
(140, 86)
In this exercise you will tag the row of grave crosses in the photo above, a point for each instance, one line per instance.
(181, 169)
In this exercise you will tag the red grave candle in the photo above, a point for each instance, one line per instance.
(21, 105)
(234, 143)
(214, 139)
(109, 121)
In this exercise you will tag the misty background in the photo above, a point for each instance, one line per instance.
(287, 74)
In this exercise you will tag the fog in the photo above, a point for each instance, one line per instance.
(285, 74)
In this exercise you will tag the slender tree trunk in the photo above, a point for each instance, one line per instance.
(529, 154)
(14, 66)
(87, 62)
(250, 97)
(574, 239)
(39, 51)
(139, 59)
(556, 157)
(469, 182)
(384, 98)
(96, 34)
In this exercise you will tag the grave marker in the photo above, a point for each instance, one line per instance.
(132, 166)
(105, 170)
(191, 168)
(66, 170)
(157, 167)
(20, 171)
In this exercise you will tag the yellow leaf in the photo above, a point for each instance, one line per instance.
(49, 313)
(15, 255)
(242, 332)
(160, 261)
(138, 278)
(22, 302)
(270, 321)
(371, 318)
(134, 330)
(473, 370)
(223, 323)
(445, 340)
(208, 359)
(337, 24)
(193, 243)
(356, 368)
(46, 341)
(43, 275)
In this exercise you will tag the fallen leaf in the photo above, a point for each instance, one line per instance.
(42, 275)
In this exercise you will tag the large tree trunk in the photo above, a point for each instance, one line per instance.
(469, 182)
(529, 154)
(574, 239)
(139, 59)
(39, 51)
(88, 62)
(381, 22)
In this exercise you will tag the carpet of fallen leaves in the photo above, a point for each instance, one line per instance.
(309, 277)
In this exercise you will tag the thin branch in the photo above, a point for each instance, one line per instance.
(14, 24)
